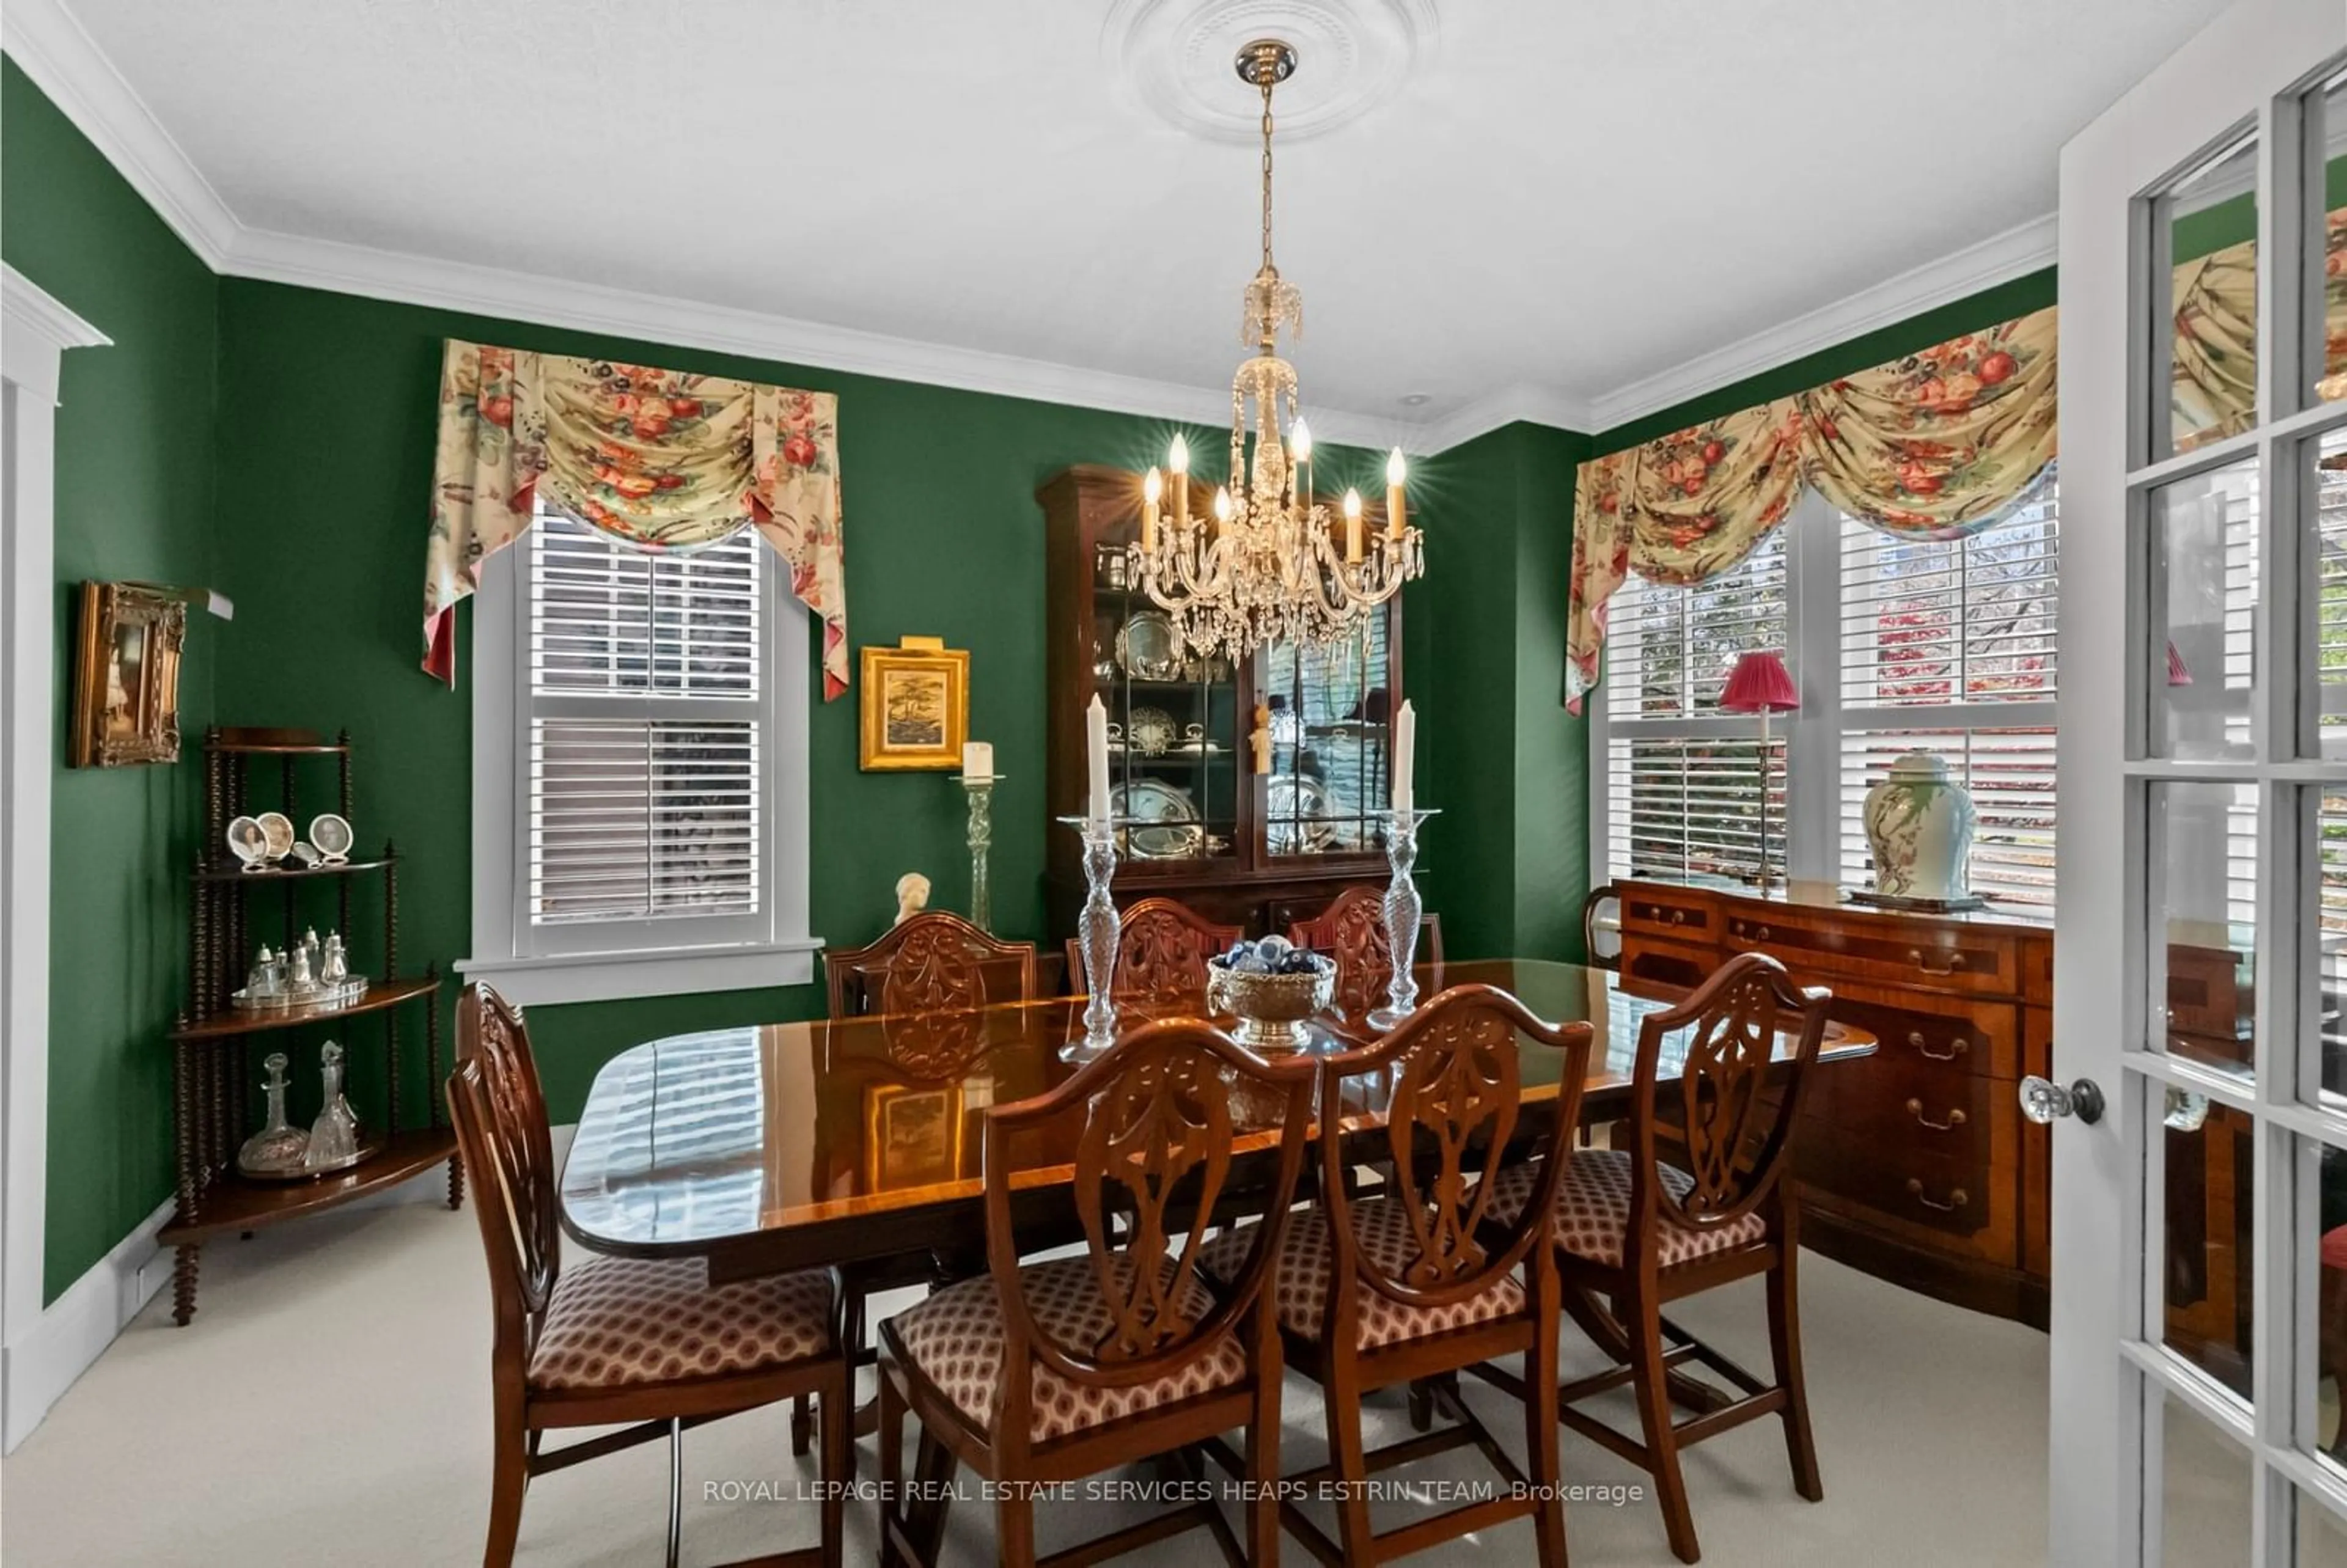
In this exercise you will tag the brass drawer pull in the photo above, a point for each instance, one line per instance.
(1915, 956)
(1957, 1046)
(1955, 1118)
(1957, 1198)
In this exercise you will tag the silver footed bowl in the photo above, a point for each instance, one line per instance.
(1271, 1009)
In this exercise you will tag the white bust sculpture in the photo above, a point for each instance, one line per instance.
(912, 894)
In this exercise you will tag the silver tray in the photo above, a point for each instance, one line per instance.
(342, 993)
(1155, 801)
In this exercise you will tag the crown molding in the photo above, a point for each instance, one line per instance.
(1999, 258)
(67, 64)
(63, 60)
(1521, 403)
(278, 258)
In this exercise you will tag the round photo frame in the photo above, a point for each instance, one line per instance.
(332, 837)
(277, 829)
(248, 842)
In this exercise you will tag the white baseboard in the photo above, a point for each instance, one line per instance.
(74, 1330)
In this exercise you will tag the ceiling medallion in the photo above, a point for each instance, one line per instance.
(1174, 56)
(1270, 564)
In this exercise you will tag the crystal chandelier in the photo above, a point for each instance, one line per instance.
(1270, 564)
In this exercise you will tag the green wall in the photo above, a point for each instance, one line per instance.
(326, 462)
(134, 500)
(1506, 862)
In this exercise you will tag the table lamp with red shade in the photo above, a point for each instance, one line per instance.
(1760, 684)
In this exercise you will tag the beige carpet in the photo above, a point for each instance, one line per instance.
(331, 1404)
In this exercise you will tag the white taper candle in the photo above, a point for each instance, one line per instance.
(1096, 758)
(1405, 757)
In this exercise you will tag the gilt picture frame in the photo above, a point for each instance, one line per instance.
(126, 706)
(915, 706)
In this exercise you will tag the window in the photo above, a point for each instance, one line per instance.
(1898, 645)
(1684, 793)
(640, 739)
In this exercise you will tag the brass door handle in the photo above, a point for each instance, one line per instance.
(1957, 1046)
(1957, 1198)
(1915, 956)
(1955, 1118)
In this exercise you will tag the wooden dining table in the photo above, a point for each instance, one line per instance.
(773, 1147)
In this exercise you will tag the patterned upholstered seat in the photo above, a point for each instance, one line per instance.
(1300, 1282)
(616, 1321)
(955, 1340)
(1592, 1210)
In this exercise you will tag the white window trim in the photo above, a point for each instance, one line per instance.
(500, 757)
(1813, 732)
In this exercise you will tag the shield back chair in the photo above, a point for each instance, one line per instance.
(1162, 948)
(929, 962)
(647, 1344)
(1352, 931)
(922, 969)
(1644, 1232)
(1053, 1371)
(1415, 1285)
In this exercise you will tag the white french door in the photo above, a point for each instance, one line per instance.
(2199, 1239)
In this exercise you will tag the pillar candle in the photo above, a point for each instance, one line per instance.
(1396, 471)
(1405, 764)
(977, 759)
(1178, 459)
(1096, 758)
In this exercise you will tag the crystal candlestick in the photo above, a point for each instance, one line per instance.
(981, 838)
(1096, 934)
(1404, 909)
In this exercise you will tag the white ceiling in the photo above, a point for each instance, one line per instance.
(1563, 201)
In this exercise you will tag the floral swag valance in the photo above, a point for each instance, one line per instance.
(1934, 445)
(659, 459)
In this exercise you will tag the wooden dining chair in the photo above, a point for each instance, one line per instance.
(1352, 930)
(1644, 1232)
(1417, 1284)
(928, 962)
(1050, 1371)
(647, 1344)
(930, 971)
(1162, 948)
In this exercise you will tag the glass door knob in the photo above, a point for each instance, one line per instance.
(2042, 1099)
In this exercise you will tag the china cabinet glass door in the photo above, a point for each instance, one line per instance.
(2199, 1235)
(1330, 709)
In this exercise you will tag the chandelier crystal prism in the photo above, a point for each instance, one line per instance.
(1270, 563)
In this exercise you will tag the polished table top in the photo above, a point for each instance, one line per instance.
(779, 1145)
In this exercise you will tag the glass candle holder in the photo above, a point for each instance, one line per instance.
(1096, 936)
(1404, 910)
(981, 838)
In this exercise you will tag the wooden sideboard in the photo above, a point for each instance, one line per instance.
(1916, 1163)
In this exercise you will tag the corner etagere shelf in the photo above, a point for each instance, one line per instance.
(211, 1077)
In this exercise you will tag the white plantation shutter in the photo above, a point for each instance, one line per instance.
(646, 739)
(1947, 646)
(1683, 793)
(1898, 645)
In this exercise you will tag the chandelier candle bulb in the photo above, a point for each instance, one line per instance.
(1397, 470)
(1150, 488)
(1300, 444)
(1352, 527)
(1405, 756)
(1221, 509)
(1096, 758)
(1178, 460)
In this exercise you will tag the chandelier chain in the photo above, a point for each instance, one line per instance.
(1267, 173)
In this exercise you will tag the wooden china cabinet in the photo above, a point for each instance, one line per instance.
(1259, 851)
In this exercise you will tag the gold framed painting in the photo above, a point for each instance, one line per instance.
(126, 704)
(916, 706)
